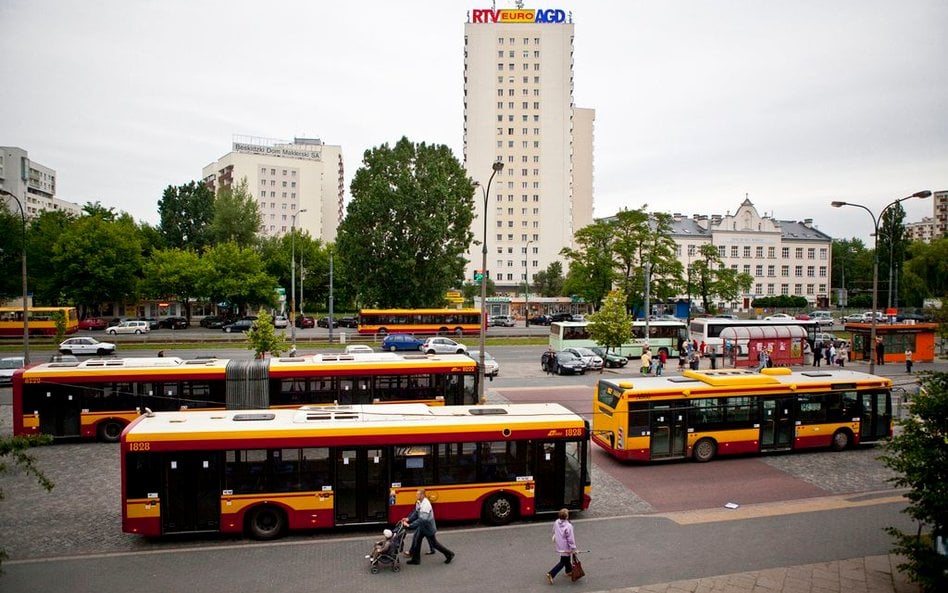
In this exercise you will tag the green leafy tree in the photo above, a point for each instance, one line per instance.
(628, 234)
(15, 449)
(235, 274)
(926, 271)
(919, 454)
(473, 289)
(408, 225)
(236, 216)
(549, 282)
(262, 337)
(591, 265)
(312, 268)
(59, 321)
(713, 280)
(611, 325)
(11, 246)
(98, 211)
(98, 259)
(173, 274)
(892, 246)
(44, 232)
(186, 212)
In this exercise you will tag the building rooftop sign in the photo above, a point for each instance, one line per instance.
(267, 147)
(519, 15)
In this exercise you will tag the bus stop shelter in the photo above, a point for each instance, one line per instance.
(895, 338)
(743, 344)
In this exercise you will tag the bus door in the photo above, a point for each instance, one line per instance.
(191, 501)
(60, 411)
(361, 488)
(776, 423)
(667, 427)
(557, 475)
(875, 419)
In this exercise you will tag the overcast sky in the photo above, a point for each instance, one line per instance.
(796, 103)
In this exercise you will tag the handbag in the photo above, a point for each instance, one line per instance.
(577, 571)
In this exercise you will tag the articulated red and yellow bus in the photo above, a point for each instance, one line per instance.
(265, 471)
(41, 321)
(99, 397)
(420, 321)
(703, 414)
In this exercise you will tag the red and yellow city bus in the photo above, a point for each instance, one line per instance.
(41, 321)
(702, 414)
(99, 397)
(420, 321)
(266, 471)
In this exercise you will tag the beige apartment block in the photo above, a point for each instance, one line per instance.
(304, 176)
(518, 109)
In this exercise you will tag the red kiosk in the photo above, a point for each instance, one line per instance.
(896, 338)
(742, 345)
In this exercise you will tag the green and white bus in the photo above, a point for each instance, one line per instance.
(662, 335)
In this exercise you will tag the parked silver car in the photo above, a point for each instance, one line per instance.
(129, 327)
(591, 360)
(86, 345)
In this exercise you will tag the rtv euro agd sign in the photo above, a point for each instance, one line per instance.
(518, 15)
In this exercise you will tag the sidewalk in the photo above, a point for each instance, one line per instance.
(873, 574)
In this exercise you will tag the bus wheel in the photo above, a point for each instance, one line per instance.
(110, 431)
(499, 509)
(705, 450)
(266, 522)
(841, 440)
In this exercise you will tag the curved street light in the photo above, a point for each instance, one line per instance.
(875, 264)
(481, 377)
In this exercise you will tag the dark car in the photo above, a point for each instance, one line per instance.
(152, 322)
(561, 317)
(241, 325)
(93, 323)
(562, 363)
(611, 359)
(540, 320)
(174, 323)
(304, 321)
(395, 342)
(213, 322)
(350, 322)
(324, 322)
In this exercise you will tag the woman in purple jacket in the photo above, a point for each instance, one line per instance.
(564, 544)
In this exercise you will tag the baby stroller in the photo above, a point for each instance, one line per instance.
(388, 551)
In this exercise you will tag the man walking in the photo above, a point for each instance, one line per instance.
(423, 522)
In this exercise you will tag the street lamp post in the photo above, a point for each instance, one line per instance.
(875, 266)
(26, 309)
(293, 280)
(526, 287)
(481, 377)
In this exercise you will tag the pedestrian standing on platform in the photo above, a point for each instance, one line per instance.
(880, 351)
(564, 543)
(817, 354)
(842, 355)
(646, 365)
(908, 360)
(662, 359)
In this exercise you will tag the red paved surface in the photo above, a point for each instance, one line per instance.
(681, 485)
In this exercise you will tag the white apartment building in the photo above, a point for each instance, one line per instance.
(934, 227)
(32, 183)
(518, 109)
(784, 257)
(303, 178)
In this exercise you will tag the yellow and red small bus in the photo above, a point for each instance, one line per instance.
(420, 321)
(703, 414)
(265, 471)
(41, 321)
(97, 398)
